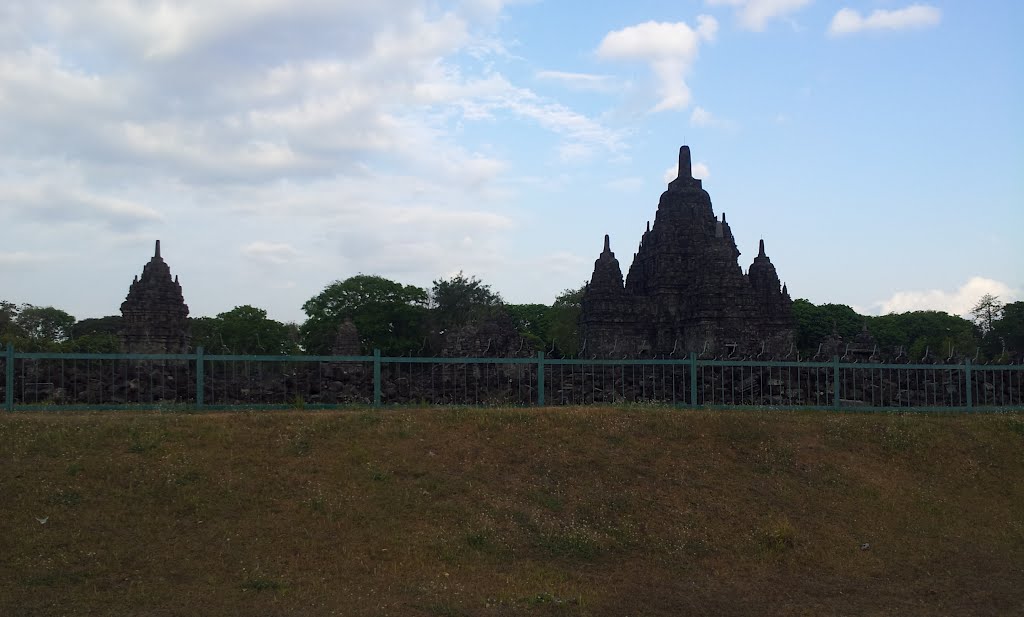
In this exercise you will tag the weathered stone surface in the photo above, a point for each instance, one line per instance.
(685, 291)
(155, 313)
(346, 340)
(493, 337)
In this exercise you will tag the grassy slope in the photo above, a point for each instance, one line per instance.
(502, 512)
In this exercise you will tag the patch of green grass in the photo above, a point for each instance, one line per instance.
(1016, 425)
(65, 497)
(549, 500)
(446, 609)
(144, 437)
(262, 584)
(777, 535)
(58, 578)
(188, 477)
(570, 544)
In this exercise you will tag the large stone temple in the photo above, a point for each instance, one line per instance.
(154, 312)
(685, 291)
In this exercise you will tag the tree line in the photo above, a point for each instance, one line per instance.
(403, 319)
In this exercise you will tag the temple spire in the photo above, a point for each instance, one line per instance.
(157, 253)
(607, 244)
(685, 171)
(760, 249)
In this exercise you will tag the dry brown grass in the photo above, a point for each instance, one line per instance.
(588, 511)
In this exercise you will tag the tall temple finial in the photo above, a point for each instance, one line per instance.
(607, 244)
(685, 170)
(760, 248)
(157, 253)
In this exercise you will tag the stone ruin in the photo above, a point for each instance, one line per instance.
(155, 314)
(685, 291)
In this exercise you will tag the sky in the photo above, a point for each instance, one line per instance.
(276, 146)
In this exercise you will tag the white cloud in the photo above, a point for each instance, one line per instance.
(701, 117)
(17, 260)
(956, 302)
(755, 14)
(276, 253)
(670, 49)
(58, 194)
(849, 21)
(579, 81)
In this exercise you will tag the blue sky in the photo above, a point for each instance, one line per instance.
(275, 146)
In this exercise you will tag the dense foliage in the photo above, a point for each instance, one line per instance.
(404, 319)
(389, 316)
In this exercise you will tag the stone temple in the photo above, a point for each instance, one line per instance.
(685, 291)
(155, 314)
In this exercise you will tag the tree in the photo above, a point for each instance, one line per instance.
(564, 321)
(531, 321)
(919, 331)
(1008, 332)
(95, 335)
(986, 312)
(389, 316)
(247, 330)
(110, 325)
(45, 327)
(815, 323)
(10, 332)
(460, 300)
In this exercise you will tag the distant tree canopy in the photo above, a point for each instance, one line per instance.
(815, 323)
(243, 330)
(389, 316)
(459, 300)
(918, 332)
(933, 332)
(563, 321)
(1006, 334)
(34, 328)
(986, 312)
(404, 319)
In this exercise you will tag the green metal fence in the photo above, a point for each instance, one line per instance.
(48, 381)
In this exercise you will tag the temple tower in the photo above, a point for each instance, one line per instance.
(155, 314)
(685, 290)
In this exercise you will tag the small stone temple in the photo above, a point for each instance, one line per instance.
(685, 291)
(155, 314)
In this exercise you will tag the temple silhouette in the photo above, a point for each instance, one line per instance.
(154, 312)
(685, 291)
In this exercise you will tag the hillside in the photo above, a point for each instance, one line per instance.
(587, 511)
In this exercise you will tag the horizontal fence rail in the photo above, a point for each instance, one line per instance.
(47, 381)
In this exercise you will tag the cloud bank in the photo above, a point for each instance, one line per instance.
(956, 302)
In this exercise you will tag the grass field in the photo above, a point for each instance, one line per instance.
(581, 511)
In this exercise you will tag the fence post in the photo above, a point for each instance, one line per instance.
(200, 377)
(376, 378)
(9, 378)
(540, 378)
(693, 379)
(835, 382)
(970, 386)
